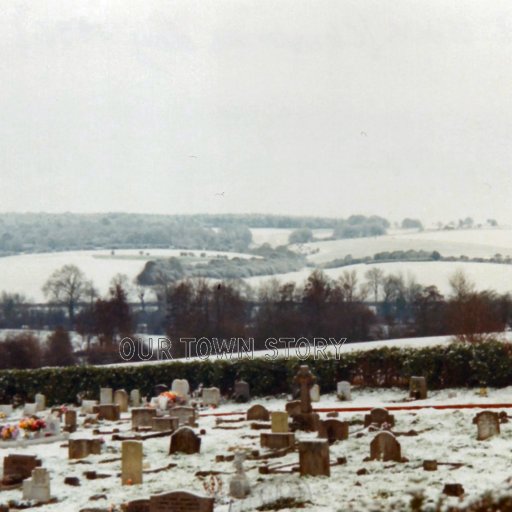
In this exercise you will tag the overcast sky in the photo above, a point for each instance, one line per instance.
(398, 107)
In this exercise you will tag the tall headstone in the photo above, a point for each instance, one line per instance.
(384, 446)
(314, 393)
(314, 458)
(181, 387)
(343, 390)
(211, 396)
(37, 488)
(279, 422)
(131, 465)
(185, 440)
(70, 420)
(418, 388)
(135, 398)
(40, 400)
(241, 392)
(106, 396)
(121, 399)
(180, 501)
(306, 420)
(488, 424)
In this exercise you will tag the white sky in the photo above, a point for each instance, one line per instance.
(390, 107)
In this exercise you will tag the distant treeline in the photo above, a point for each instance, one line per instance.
(43, 232)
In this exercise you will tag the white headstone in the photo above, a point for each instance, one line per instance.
(211, 396)
(135, 398)
(40, 402)
(343, 390)
(37, 488)
(106, 396)
(181, 387)
(30, 409)
(88, 405)
(162, 402)
(52, 425)
(6, 409)
(239, 484)
(314, 393)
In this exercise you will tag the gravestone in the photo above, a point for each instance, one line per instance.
(19, 467)
(333, 430)
(88, 406)
(185, 440)
(180, 501)
(384, 446)
(106, 396)
(279, 422)
(37, 488)
(70, 420)
(30, 409)
(314, 458)
(343, 390)
(293, 408)
(6, 409)
(162, 402)
(307, 420)
(488, 424)
(277, 441)
(241, 392)
(109, 412)
(52, 425)
(121, 399)
(257, 413)
(211, 396)
(185, 414)
(379, 417)
(142, 417)
(239, 484)
(418, 388)
(135, 398)
(166, 423)
(314, 393)
(131, 463)
(137, 506)
(40, 400)
(181, 387)
(82, 448)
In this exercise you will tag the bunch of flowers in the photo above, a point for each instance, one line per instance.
(173, 398)
(32, 424)
(9, 432)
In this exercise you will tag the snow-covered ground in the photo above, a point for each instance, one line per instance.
(279, 236)
(444, 435)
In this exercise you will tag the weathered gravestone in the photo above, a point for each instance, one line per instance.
(379, 417)
(186, 415)
(258, 413)
(70, 420)
(121, 399)
(211, 396)
(314, 393)
(82, 448)
(333, 430)
(239, 484)
(314, 458)
(306, 420)
(241, 392)
(418, 388)
(343, 390)
(37, 488)
(87, 406)
(279, 422)
(488, 424)
(384, 446)
(181, 387)
(135, 398)
(277, 441)
(142, 417)
(19, 467)
(106, 396)
(131, 464)
(30, 409)
(109, 412)
(185, 440)
(180, 501)
(40, 400)
(166, 423)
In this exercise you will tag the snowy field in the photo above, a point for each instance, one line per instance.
(279, 236)
(445, 435)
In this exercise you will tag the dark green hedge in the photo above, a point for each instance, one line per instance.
(455, 365)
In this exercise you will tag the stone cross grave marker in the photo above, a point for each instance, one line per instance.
(131, 464)
(305, 380)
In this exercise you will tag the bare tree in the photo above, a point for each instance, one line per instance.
(375, 279)
(462, 286)
(67, 286)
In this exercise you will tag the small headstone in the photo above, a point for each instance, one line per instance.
(135, 398)
(109, 412)
(314, 393)
(239, 484)
(70, 420)
(384, 446)
(30, 409)
(241, 392)
(257, 413)
(19, 467)
(131, 465)
(185, 414)
(82, 448)
(142, 417)
(52, 425)
(211, 396)
(88, 406)
(293, 408)
(6, 409)
(37, 488)
(277, 441)
(121, 399)
(453, 490)
(488, 424)
(430, 465)
(418, 388)
(106, 396)
(181, 387)
(343, 390)
(166, 423)
(185, 440)
(40, 400)
(379, 417)
(180, 501)
(314, 458)
(333, 430)
(279, 422)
